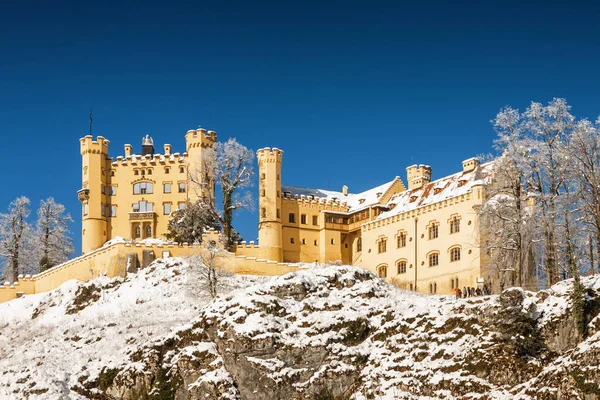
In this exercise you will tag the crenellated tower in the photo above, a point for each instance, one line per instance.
(93, 192)
(269, 225)
(197, 143)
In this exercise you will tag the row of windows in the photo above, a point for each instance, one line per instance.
(433, 234)
(433, 259)
(454, 228)
(142, 188)
(303, 219)
(142, 206)
(148, 171)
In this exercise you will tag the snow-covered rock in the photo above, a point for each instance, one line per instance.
(323, 333)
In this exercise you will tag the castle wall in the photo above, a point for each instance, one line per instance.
(443, 276)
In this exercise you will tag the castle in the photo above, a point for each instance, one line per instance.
(422, 236)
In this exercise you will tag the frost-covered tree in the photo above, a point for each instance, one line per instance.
(53, 243)
(187, 225)
(15, 238)
(233, 166)
(507, 229)
(537, 137)
(583, 150)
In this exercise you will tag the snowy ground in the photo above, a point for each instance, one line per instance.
(43, 349)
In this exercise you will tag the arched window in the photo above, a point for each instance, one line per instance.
(138, 232)
(434, 259)
(359, 245)
(455, 254)
(401, 240)
(143, 188)
(382, 271)
(433, 231)
(382, 245)
(401, 267)
(148, 231)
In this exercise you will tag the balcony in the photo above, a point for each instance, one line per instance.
(142, 216)
(83, 195)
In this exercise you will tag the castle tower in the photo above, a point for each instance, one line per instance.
(269, 225)
(93, 192)
(197, 143)
(417, 176)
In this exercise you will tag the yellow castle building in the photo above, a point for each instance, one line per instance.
(132, 196)
(424, 237)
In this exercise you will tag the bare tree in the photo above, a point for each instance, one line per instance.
(14, 238)
(233, 168)
(209, 265)
(54, 245)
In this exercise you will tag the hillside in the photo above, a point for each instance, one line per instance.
(323, 333)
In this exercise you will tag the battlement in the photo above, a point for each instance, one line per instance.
(88, 145)
(320, 203)
(156, 159)
(269, 155)
(200, 138)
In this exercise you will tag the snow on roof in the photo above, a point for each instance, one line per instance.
(439, 190)
(369, 197)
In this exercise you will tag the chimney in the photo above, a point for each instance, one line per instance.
(417, 176)
(470, 164)
(128, 149)
(345, 190)
(167, 149)
(147, 146)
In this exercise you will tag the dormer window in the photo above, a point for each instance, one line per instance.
(378, 194)
(360, 201)
(461, 183)
(437, 190)
(413, 199)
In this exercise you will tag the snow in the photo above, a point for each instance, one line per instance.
(49, 350)
(353, 200)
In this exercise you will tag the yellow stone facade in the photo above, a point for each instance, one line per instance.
(131, 196)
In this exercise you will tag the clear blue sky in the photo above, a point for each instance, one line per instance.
(384, 85)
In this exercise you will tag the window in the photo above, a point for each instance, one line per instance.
(315, 219)
(138, 232)
(292, 218)
(167, 208)
(455, 254)
(303, 219)
(85, 209)
(113, 191)
(303, 241)
(143, 206)
(316, 243)
(143, 172)
(382, 245)
(382, 271)
(402, 267)
(262, 193)
(181, 170)
(181, 187)
(263, 212)
(455, 225)
(433, 288)
(113, 211)
(401, 240)
(143, 188)
(149, 172)
(433, 259)
(166, 187)
(332, 241)
(433, 231)
(103, 210)
(103, 189)
(359, 245)
(278, 214)
(112, 173)
(167, 170)
(181, 205)
(292, 240)
(148, 231)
